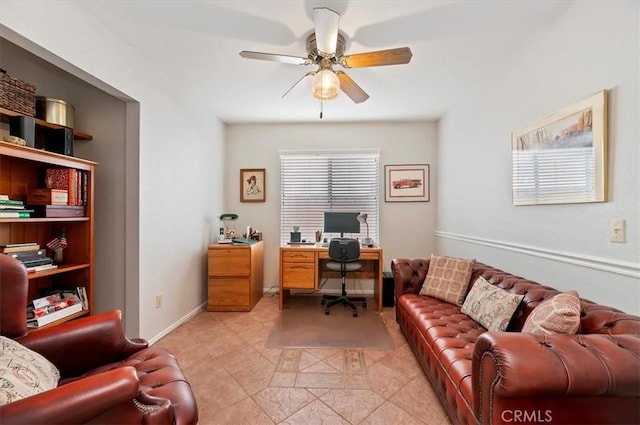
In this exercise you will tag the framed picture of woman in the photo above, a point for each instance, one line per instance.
(252, 185)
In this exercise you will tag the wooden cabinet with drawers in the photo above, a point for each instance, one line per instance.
(298, 269)
(234, 276)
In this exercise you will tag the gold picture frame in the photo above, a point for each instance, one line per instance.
(252, 185)
(562, 158)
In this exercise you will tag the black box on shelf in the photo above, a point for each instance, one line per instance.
(60, 141)
(24, 128)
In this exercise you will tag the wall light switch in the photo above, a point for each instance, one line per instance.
(618, 230)
(159, 301)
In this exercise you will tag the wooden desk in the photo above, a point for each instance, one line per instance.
(302, 266)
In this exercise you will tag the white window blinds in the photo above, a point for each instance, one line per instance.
(312, 183)
(548, 176)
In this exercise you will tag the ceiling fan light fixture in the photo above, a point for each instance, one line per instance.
(325, 85)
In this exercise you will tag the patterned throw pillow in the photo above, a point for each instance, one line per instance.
(490, 305)
(559, 314)
(23, 372)
(447, 279)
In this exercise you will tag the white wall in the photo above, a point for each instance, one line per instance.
(590, 47)
(406, 228)
(173, 159)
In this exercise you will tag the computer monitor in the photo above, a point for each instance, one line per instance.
(341, 222)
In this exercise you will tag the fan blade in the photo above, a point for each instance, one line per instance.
(293, 60)
(325, 22)
(308, 74)
(381, 57)
(350, 88)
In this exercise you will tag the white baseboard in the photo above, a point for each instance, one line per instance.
(177, 323)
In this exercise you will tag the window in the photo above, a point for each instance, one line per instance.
(314, 182)
(547, 176)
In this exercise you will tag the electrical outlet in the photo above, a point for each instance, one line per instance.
(158, 300)
(618, 231)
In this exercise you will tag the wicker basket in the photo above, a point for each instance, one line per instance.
(17, 95)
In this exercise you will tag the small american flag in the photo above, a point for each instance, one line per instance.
(58, 242)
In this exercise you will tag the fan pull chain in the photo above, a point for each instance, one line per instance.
(321, 107)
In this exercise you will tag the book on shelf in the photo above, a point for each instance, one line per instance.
(19, 247)
(4, 197)
(82, 293)
(7, 204)
(28, 255)
(11, 213)
(37, 262)
(63, 179)
(47, 196)
(58, 211)
(55, 306)
(41, 268)
(51, 317)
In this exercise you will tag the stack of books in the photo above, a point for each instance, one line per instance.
(56, 306)
(30, 255)
(13, 208)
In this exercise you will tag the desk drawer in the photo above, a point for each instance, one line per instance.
(298, 275)
(229, 262)
(228, 292)
(297, 257)
(369, 255)
(363, 256)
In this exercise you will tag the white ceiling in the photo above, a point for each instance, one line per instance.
(196, 43)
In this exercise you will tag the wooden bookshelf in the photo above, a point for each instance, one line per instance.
(22, 169)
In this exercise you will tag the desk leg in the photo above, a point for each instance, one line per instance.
(283, 297)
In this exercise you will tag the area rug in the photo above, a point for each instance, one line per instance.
(303, 324)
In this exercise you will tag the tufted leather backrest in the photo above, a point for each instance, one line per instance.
(409, 275)
(595, 318)
(14, 287)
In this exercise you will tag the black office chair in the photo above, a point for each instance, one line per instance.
(344, 253)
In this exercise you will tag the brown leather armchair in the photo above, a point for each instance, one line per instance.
(105, 377)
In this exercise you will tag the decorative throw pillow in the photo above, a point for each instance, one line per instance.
(490, 306)
(23, 372)
(559, 314)
(447, 279)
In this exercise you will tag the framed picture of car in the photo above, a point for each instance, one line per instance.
(406, 183)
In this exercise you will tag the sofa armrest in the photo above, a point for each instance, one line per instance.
(409, 274)
(76, 402)
(78, 346)
(587, 378)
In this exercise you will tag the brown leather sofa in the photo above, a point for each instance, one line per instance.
(513, 378)
(105, 377)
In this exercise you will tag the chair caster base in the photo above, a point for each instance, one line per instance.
(326, 311)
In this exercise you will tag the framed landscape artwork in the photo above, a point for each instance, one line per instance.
(562, 159)
(406, 183)
(252, 185)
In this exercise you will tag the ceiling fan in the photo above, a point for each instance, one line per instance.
(325, 48)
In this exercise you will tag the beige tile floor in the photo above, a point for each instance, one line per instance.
(237, 380)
